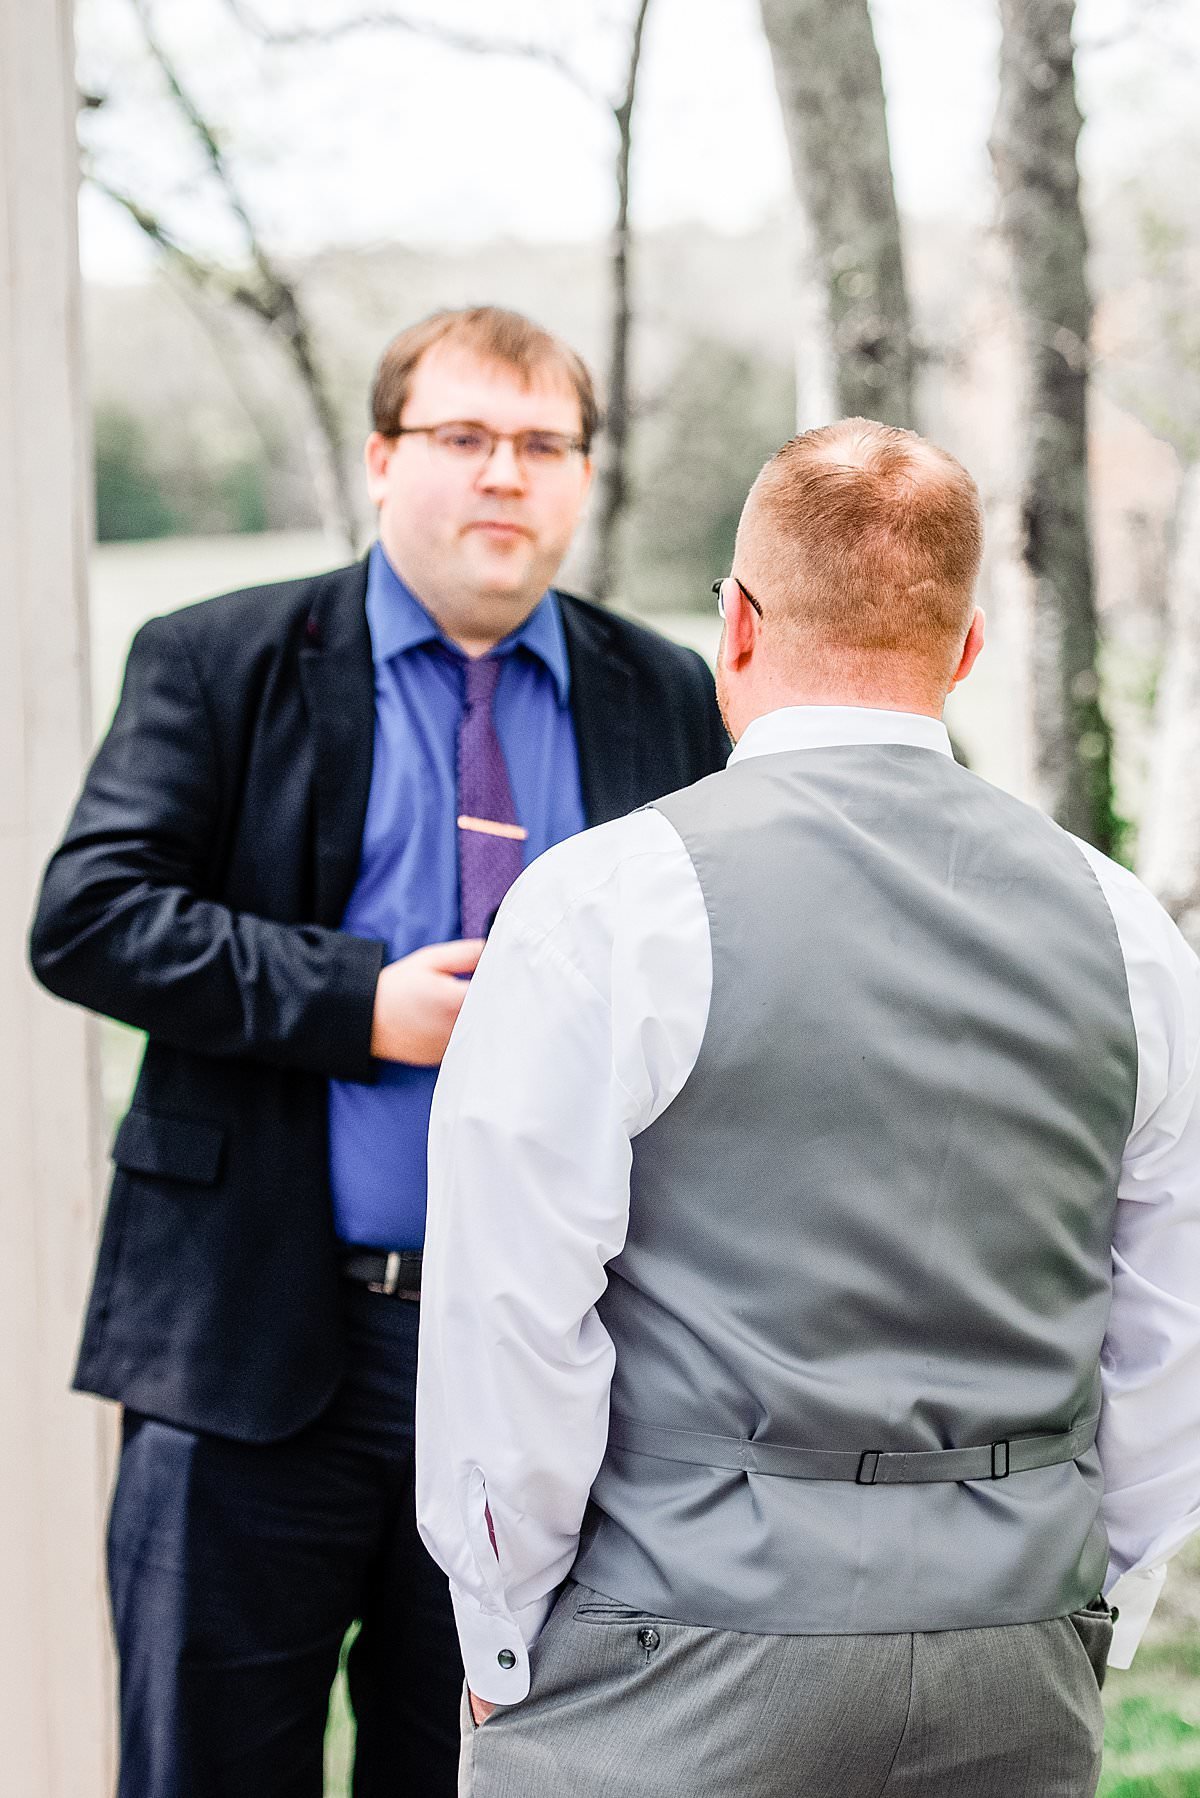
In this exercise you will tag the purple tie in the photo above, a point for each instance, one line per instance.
(490, 854)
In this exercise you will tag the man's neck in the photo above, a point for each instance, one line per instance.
(463, 619)
(915, 704)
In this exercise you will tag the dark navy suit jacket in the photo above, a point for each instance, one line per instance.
(197, 895)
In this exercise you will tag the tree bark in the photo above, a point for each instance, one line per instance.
(1041, 222)
(1169, 858)
(831, 90)
(613, 494)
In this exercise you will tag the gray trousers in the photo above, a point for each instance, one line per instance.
(626, 1705)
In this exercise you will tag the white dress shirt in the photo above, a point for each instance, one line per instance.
(584, 1019)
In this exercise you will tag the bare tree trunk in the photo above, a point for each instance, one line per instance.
(613, 493)
(1169, 858)
(1033, 150)
(831, 91)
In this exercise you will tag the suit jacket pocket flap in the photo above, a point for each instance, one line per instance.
(171, 1148)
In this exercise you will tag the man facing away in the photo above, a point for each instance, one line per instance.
(815, 1163)
(285, 856)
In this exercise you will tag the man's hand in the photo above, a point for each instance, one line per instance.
(481, 1710)
(417, 1000)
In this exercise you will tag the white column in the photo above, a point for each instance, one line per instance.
(56, 1732)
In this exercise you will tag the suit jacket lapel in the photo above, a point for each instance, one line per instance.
(338, 679)
(602, 706)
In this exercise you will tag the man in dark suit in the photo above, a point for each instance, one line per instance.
(282, 865)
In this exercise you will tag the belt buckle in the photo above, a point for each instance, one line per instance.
(391, 1276)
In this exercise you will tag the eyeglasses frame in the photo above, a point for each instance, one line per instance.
(574, 445)
(745, 592)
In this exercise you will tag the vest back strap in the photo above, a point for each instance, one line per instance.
(870, 1467)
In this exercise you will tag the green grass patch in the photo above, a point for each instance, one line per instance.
(1146, 1725)
(1152, 1710)
(339, 1731)
(1182, 1784)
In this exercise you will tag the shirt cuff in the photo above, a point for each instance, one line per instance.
(1135, 1596)
(495, 1645)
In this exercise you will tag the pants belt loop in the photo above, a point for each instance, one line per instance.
(391, 1276)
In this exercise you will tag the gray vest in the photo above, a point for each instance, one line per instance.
(867, 1274)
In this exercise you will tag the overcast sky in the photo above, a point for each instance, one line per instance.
(388, 137)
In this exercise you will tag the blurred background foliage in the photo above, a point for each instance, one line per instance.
(187, 487)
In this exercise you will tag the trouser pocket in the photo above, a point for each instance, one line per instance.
(1094, 1627)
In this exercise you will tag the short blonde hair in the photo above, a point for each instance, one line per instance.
(874, 537)
(492, 334)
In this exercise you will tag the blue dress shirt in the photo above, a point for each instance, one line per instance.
(406, 893)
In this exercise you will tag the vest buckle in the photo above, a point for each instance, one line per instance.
(999, 1460)
(868, 1467)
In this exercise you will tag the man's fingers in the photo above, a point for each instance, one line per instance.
(454, 958)
(481, 1710)
(452, 993)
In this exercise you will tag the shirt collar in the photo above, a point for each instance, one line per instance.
(826, 726)
(399, 622)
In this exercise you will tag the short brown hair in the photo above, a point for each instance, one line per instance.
(877, 536)
(493, 335)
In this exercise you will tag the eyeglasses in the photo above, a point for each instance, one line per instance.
(470, 443)
(731, 580)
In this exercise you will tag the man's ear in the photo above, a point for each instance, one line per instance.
(377, 454)
(740, 635)
(971, 648)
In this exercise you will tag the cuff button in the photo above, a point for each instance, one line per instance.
(507, 1659)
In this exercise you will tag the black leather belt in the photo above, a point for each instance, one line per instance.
(395, 1273)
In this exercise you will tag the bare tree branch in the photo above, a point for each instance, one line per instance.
(207, 276)
(447, 35)
(261, 412)
(275, 303)
(274, 299)
(614, 485)
(208, 140)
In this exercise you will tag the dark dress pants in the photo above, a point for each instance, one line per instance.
(235, 1570)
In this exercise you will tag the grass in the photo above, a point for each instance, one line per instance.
(1152, 1710)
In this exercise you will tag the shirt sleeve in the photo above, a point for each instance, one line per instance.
(584, 1019)
(1149, 1436)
